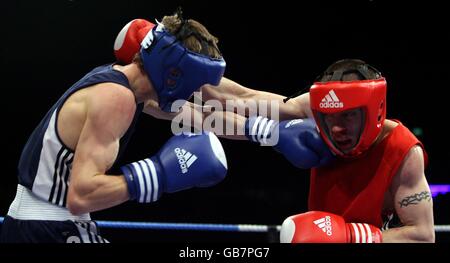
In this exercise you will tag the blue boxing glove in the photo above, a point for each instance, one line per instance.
(185, 161)
(298, 140)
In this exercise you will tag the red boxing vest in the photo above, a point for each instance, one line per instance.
(354, 189)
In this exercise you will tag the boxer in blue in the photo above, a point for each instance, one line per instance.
(63, 169)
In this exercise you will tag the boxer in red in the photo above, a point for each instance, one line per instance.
(375, 190)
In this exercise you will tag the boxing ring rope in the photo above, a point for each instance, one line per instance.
(205, 227)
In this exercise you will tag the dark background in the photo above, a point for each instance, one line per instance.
(279, 46)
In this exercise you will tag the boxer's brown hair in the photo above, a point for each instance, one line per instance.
(192, 34)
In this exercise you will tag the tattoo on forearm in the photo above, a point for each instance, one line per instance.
(415, 199)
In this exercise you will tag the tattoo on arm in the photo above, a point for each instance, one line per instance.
(415, 199)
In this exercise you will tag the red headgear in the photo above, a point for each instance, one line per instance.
(128, 41)
(337, 96)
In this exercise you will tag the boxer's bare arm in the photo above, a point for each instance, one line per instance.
(413, 202)
(224, 124)
(151, 108)
(109, 111)
(229, 90)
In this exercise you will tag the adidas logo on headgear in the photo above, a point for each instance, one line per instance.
(185, 159)
(331, 101)
(324, 223)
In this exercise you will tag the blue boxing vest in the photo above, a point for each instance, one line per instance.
(45, 163)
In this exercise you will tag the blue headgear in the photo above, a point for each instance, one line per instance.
(175, 71)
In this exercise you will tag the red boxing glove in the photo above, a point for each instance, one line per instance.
(128, 41)
(323, 227)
